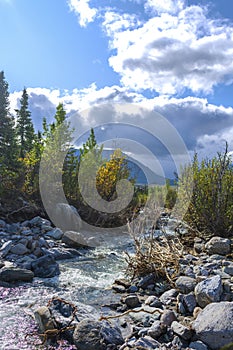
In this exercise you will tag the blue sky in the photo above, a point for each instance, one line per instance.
(175, 57)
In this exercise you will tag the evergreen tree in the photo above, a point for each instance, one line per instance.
(24, 128)
(8, 146)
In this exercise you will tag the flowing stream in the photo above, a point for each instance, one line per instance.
(86, 279)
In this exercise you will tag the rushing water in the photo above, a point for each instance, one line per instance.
(86, 279)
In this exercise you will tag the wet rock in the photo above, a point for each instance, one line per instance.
(168, 317)
(55, 234)
(208, 291)
(218, 245)
(74, 239)
(182, 331)
(133, 289)
(14, 274)
(198, 345)
(214, 324)
(118, 288)
(45, 267)
(95, 335)
(185, 284)
(132, 301)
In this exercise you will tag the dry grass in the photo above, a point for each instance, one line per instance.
(157, 255)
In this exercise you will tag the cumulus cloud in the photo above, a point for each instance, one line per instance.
(84, 12)
(179, 48)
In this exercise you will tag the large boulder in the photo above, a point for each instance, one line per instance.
(14, 274)
(185, 284)
(208, 291)
(45, 267)
(214, 324)
(96, 335)
(77, 239)
(218, 245)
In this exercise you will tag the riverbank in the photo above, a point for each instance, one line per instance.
(69, 299)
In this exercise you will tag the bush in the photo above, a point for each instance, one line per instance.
(211, 207)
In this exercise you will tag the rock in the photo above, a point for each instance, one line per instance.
(157, 329)
(14, 274)
(182, 331)
(132, 301)
(95, 335)
(208, 291)
(168, 317)
(214, 324)
(74, 239)
(228, 269)
(153, 301)
(168, 296)
(146, 281)
(189, 302)
(44, 319)
(118, 288)
(218, 245)
(185, 284)
(5, 248)
(2, 223)
(55, 234)
(146, 342)
(197, 345)
(133, 289)
(45, 267)
(19, 249)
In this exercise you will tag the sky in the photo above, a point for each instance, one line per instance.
(174, 57)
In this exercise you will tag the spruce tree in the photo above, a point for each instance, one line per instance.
(24, 128)
(8, 146)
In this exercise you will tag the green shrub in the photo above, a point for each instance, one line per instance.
(211, 206)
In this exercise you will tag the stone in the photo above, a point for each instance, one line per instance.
(168, 296)
(214, 324)
(197, 345)
(168, 317)
(45, 267)
(5, 248)
(132, 301)
(74, 239)
(133, 289)
(96, 335)
(146, 281)
(189, 302)
(228, 269)
(181, 330)
(14, 274)
(218, 245)
(153, 301)
(157, 329)
(208, 291)
(55, 234)
(44, 319)
(19, 249)
(146, 342)
(185, 284)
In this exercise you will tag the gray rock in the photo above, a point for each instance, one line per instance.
(132, 301)
(19, 249)
(208, 291)
(181, 330)
(74, 239)
(218, 245)
(168, 317)
(44, 319)
(95, 335)
(168, 296)
(146, 281)
(133, 289)
(5, 248)
(198, 345)
(146, 342)
(214, 324)
(189, 302)
(157, 329)
(55, 234)
(45, 267)
(228, 269)
(2, 223)
(153, 301)
(26, 232)
(185, 284)
(14, 274)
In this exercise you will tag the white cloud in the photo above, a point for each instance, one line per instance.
(168, 6)
(84, 12)
(176, 49)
